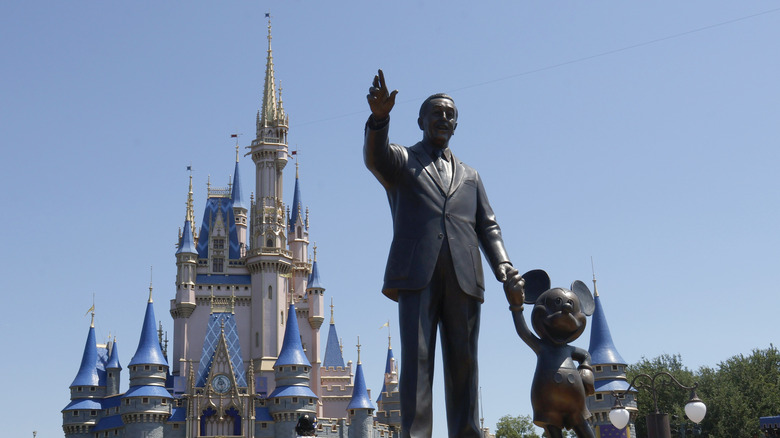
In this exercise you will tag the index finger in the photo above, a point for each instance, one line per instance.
(382, 83)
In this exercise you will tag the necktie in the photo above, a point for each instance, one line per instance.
(444, 168)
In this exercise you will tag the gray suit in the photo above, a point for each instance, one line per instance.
(434, 271)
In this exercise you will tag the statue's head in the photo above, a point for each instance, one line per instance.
(438, 119)
(559, 314)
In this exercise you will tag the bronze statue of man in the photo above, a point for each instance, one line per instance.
(441, 217)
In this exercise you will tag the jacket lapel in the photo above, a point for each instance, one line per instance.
(457, 174)
(427, 164)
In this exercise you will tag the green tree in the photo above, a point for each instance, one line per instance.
(738, 392)
(671, 399)
(520, 426)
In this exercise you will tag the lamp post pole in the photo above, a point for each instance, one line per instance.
(657, 422)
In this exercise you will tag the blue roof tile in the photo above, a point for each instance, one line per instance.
(149, 351)
(147, 391)
(602, 350)
(388, 370)
(113, 359)
(110, 422)
(238, 201)
(88, 372)
(296, 212)
(612, 385)
(179, 415)
(210, 343)
(292, 350)
(333, 356)
(262, 414)
(293, 391)
(186, 243)
(314, 278)
(83, 403)
(214, 206)
(360, 398)
(223, 279)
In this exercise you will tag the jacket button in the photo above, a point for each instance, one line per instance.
(441, 236)
(448, 215)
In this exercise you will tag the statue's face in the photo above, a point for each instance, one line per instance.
(439, 122)
(557, 316)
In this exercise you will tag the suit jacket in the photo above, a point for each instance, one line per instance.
(424, 212)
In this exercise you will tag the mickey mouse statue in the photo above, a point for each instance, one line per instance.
(559, 387)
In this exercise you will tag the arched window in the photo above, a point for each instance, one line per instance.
(270, 292)
(298, 233)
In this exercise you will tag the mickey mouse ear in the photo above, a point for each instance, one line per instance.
(537, 282)
(587, 305)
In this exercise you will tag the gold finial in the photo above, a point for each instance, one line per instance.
(151, 278)
(92, 310)
(237, 147)
(358, 347)
(331, 310)
(190, 203)
(315, 255)
(296, 169)
(593, 269)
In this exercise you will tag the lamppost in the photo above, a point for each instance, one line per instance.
(657, 423)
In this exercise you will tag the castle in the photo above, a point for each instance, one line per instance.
(247, 312)
(247, 315)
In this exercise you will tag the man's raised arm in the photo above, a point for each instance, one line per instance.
(379, 157)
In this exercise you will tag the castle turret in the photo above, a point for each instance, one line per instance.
(81, 414)
(389, 400)
(146, 406)
(113, 370)
(360, 409)
(336, 378)
(269, 261)
(186, 274)
(239, 208)
(609, 370)
(292, 397)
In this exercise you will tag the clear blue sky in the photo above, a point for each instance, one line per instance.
(643, 135)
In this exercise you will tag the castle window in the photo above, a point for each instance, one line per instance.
(175, 426)
(269, 243)
(219, 243)
(298, 233)
(293, 368)
(295, 400)
(257, 339)
(93, 413)
(91, 389)
(599, 397)
(110, 374)
(263, 425)
(218, 264)
(147, 368)
(145, 400)
(270, 292)
(78, 388)
(159, 368)
(163, 401)
(127, 402)
(75, 413)
(598, 368)
(614, 367)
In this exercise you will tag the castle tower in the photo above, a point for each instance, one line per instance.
(186, 273)
(269, 261)
(609, 370)
(336, 379)
(292, 396)
(315, 292)
(239, 208)
(360, 410)
(81, 414)
(389, 400)
(113, 370)
(146, 406)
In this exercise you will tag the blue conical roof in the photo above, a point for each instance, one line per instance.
(297, 206)
(602, 350)
(314, 278)
(292, 350)
(88, 373)
(149, 351)
(113, 359)
(186, 243)
(360, 398)
(333, 356)
(388, 370)
(238, 202)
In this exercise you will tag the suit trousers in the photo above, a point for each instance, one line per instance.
(444, 306)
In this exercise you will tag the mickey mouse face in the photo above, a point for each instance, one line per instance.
(557, 316)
